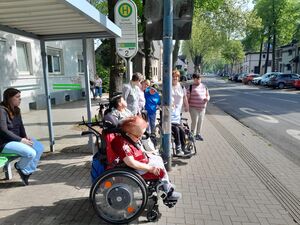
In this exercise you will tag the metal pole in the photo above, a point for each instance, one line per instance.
(47, 93)
(129, 65)
(87, 91)
(167, 67)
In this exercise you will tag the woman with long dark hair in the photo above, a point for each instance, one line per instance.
(13, 138)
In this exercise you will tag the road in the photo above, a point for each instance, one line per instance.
(274, 114)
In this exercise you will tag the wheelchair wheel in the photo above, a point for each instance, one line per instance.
(119, 196)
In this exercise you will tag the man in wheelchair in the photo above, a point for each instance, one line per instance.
(129, 150)
(133, 180)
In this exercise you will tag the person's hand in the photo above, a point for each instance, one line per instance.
(155, 170)
(186, 109)
(26, 141)
(205, 100)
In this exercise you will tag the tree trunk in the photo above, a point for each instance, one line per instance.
(197, 63)
(273, 50)
(175, 52)
(116, 75)
(268, 50)
(260, 53)
(147, 50)
(148, 63)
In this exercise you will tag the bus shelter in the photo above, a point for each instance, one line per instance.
(56, 20)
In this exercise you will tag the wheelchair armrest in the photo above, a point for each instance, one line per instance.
(184, 119)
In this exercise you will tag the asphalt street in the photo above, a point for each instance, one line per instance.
(274, 114)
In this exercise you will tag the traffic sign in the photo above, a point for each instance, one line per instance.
(126, 19)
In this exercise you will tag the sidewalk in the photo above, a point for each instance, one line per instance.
(233, 179)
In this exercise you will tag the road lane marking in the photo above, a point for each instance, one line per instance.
(283, 100)
(259, 116)
(294, 133)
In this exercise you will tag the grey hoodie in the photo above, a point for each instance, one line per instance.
(10, 129)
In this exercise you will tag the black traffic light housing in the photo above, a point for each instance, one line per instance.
(182, 19)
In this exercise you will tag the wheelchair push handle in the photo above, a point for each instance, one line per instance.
(90, 125)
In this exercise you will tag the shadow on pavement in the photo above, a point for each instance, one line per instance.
(70, 168)
(67, 211)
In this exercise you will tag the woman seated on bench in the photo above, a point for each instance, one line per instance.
(128, 149)
(13, 138)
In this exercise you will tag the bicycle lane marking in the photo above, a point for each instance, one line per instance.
(260, 116)
(294, 133)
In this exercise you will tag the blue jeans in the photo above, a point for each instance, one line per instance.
(98, 91)
(152, 120)
(30, 156)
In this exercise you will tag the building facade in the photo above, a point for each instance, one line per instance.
(21, 68)
(251, 62)
(288, 58)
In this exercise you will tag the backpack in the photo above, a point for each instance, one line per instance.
(97, 167)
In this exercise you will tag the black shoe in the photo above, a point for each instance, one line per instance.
(23, 176)
(199, 137)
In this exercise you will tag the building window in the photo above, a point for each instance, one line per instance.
(264, 56)
(55, 59)
(2, 46)
(80, 65)
(290, 52)
(288, 66)
(23, 59)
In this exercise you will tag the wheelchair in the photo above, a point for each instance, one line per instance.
(190, 145)
(120, 195)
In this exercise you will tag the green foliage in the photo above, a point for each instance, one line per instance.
(254, 32)
(103, 63)
(101, 6)
(233, 51)
(214, 23)
(280, 17)
(104, 74)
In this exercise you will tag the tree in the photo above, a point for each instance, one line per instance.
(278, 17)
(203, 41)
(254, 32)
(214, 23)
(233, 52)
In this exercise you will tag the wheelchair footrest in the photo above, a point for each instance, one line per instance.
(170, 203)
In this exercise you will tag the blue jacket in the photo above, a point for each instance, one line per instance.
(151, 101)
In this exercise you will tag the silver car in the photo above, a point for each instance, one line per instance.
(263, 80)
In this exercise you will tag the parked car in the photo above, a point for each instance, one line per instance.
(249, 77)
(296, 84)
(265, 78)
(282, 80)
(233, 77)
(241, 76)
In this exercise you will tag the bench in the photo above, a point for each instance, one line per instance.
(5, 162)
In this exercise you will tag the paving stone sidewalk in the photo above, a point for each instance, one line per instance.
(218, 186)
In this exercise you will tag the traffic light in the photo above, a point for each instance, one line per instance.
(182, 19)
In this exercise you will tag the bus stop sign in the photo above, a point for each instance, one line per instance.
(126, 19)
